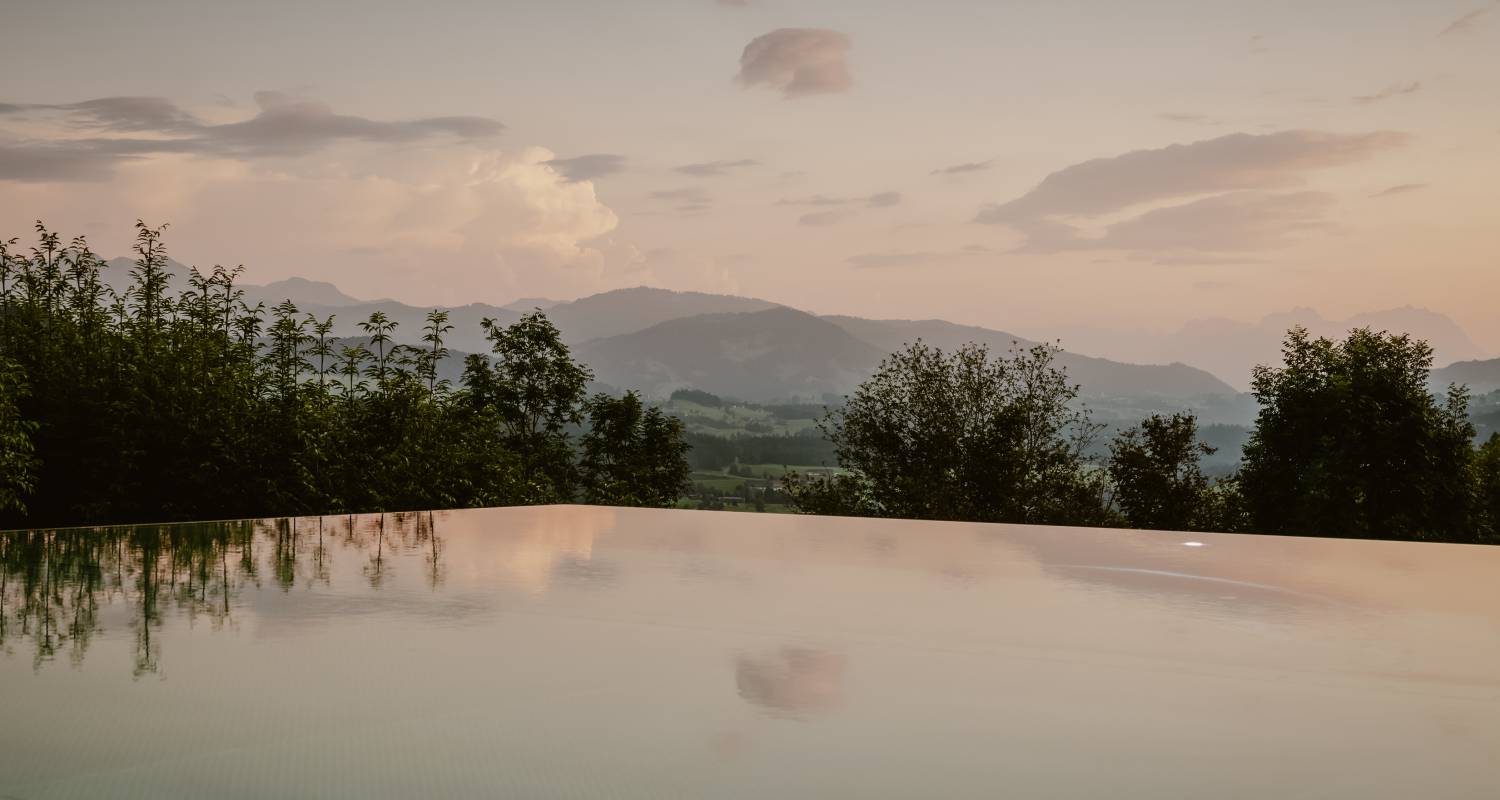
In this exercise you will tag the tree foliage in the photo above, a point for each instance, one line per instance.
(164, 403)
(632, 455)
(1349, 442)
(962, 436)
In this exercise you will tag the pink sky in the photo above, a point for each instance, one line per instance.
(1027, 166)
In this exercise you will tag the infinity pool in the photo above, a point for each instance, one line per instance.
(617, 653)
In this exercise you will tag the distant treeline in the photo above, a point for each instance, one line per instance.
(174, 403)
(711, 452)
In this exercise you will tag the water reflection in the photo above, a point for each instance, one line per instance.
(791, 681)
(59, 589)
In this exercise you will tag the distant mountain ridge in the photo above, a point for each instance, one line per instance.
(657, 340)
(1481, 376)
(1231, 349)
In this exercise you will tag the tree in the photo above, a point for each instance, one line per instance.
(963, 436)
(632, 455)
(1349, 442)
(165, 405)
(1487, 489)
(533, 390)
(1157, 481)
(838, 495)
(17, 453)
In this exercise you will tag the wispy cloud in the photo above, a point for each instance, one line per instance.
(284, 126)
(587, 167)
(820, 219)
(797, 62)
(1468, 22)
(917, 258)
(688, 199)
(969, 166)
(877, 200)
(1224, 181)
(1194, 119)
(1403, 188)
(712, 168)
(1234, 162)
(1394, 90)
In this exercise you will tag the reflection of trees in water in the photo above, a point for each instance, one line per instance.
(54, 584)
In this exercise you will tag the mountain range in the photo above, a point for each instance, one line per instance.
(656, 341)
(1230, 349)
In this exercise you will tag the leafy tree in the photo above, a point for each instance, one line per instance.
(533, 390)
(1487, 489)
(157, 404)
(839, 495)
(17, 454)
(963, 436)
(1349, 442)
(1156, 477)
(632, 455)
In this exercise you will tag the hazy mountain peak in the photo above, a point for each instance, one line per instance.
(300, 291)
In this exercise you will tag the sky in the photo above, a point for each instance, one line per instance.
(1029, 166)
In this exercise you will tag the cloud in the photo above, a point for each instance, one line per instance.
(1235, 162)
(1394, 90)
(450, 224)
(1236, 221)
(1468, 22)
(1399, 189)
(125, 114)
(821, 218)
(795, 681)
(587, 167)
(970, 166)
(689, 199)
(902, 258)
(877, 200)
(735, 3)
(284, 126)
(1195, 119)
(711, 168)
(797, 62)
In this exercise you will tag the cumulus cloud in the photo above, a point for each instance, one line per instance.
(587, 167)
(712, 168)
(970, 166)
(797, 62)
(1399, 189)
(1394, 90)
(1468, 22)
(1223, 187)
(284, 126)
(434, 225)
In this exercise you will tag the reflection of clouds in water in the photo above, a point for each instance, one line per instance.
(528, 553)
(792, 681)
